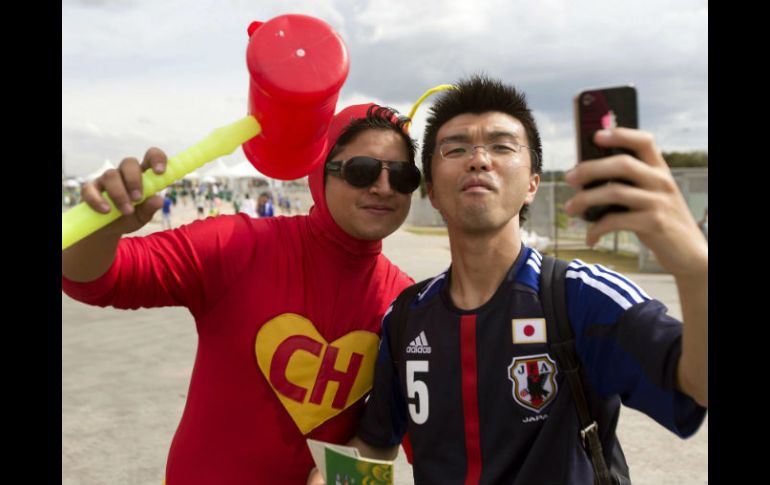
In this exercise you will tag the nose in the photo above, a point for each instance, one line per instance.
(479, 159)
(381, 186)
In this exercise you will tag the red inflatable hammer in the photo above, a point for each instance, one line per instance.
(297, 65)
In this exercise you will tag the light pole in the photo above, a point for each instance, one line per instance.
(555, 216)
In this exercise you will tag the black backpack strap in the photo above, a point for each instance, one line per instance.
(399, 315)
(561, 341)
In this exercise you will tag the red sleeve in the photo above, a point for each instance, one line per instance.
(190, 266)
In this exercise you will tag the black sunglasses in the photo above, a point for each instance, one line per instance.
(364, 171)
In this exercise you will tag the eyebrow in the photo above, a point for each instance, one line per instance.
(492, 135)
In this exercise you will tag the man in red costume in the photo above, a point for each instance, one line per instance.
(287, 309)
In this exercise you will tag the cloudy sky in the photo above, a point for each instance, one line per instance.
(140, 73)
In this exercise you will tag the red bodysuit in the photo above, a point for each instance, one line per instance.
(288, 313)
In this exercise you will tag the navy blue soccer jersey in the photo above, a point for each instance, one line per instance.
(483, 399)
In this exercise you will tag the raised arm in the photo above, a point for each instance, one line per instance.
(91, 257)
(660, 217)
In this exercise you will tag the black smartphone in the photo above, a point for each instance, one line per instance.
(597, 109)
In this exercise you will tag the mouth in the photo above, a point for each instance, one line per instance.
(378, 209)
(477, 185)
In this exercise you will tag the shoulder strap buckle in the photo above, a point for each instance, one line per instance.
(591, 428)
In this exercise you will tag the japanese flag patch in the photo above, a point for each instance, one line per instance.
(529, 331)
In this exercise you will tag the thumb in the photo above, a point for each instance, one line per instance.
(146, 209)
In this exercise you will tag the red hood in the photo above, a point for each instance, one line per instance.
(320, 217)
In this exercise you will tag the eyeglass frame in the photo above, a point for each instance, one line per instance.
(486, 149)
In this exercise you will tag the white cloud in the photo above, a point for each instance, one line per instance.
(140, 73)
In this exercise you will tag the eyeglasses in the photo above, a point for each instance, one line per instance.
(364, 171)
(502, 152)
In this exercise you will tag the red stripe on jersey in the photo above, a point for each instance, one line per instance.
(470, 398)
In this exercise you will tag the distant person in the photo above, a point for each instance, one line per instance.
(168, 201)
(297, 206)
(286, 204)
(216, 205)
(236, 204)
(184, 194)
(210, 194)
(200, 205)
(265, 205)
(249, 206)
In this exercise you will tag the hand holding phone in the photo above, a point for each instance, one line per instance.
(597, 109)
(657, 211)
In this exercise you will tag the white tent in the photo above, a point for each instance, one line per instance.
(217, 169)
(245, 169)
(194, 175)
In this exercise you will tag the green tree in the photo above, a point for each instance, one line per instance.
(553, 175)
(687, 159)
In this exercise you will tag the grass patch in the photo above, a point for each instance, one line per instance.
(622, 263)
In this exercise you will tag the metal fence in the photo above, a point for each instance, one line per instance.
(547, 217)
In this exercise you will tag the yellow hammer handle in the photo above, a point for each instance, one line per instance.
(440, 87)
(81, 221)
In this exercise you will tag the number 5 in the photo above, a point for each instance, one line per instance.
(417, 389)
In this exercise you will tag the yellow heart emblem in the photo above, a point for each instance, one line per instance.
(313, 379)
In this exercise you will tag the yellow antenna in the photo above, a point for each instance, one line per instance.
(440, 87)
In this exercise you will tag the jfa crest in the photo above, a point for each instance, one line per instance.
(534, 380)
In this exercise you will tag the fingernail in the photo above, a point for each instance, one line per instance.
(569, 177)
(603, 134)
(127, 208)
(105, 207)
(136, 195)
(160, 168)
(568, 207)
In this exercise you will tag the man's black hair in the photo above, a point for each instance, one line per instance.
(378, 118)
(479, 94)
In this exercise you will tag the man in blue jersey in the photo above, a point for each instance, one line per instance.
(474, 381)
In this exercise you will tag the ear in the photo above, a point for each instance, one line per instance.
(431, 194)
(534, 183)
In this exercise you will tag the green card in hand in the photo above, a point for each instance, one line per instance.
(343, 469)
(343, 465)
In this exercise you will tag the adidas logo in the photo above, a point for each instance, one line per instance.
(419, 345)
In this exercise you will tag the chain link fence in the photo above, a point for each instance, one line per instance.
(547, 217)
